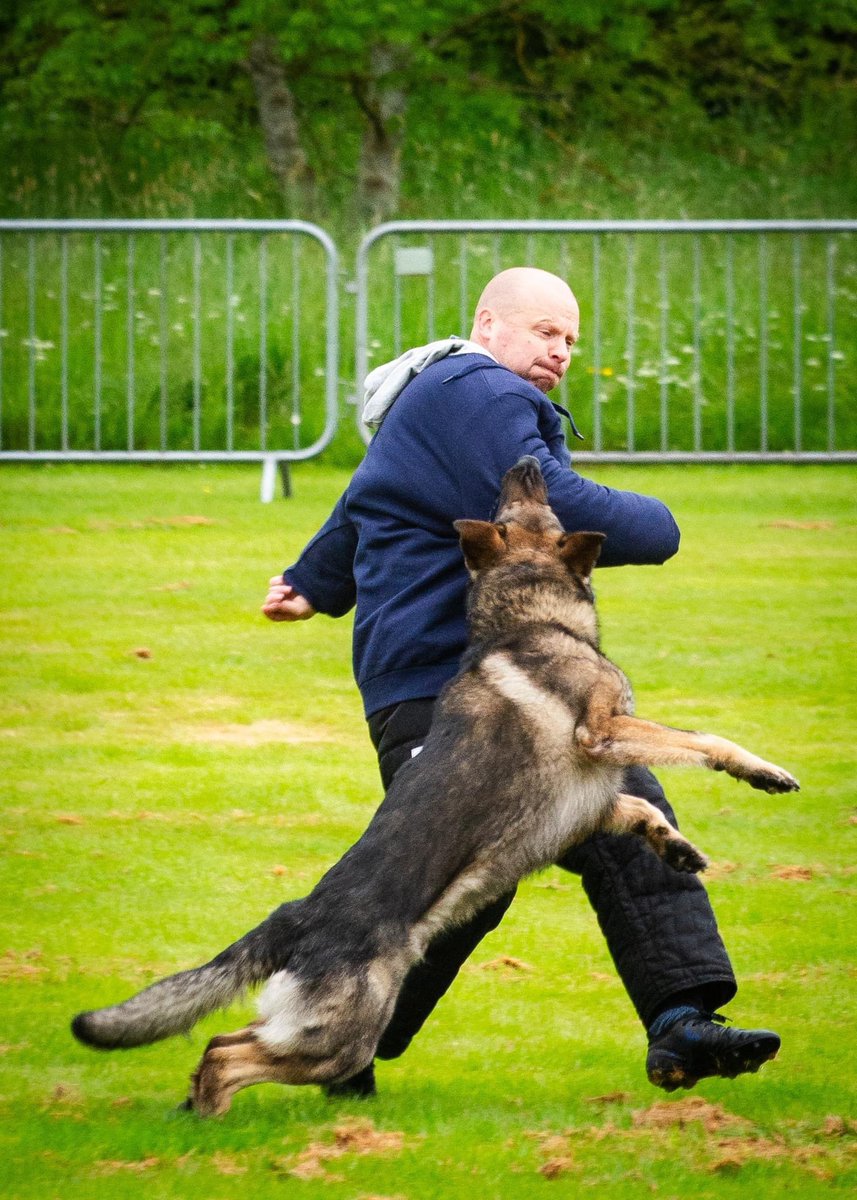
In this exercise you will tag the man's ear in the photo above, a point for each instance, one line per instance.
(579, 551)
(483, 322)
(483, 543)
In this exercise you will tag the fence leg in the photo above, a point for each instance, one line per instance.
(270, 467)
(269, 479)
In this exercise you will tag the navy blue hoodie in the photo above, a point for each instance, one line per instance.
(389, 545)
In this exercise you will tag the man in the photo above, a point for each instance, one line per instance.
(451, 418)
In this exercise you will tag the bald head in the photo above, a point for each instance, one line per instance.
(513, 289)
(529, 320)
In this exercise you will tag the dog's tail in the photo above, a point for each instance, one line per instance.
(175, 1004)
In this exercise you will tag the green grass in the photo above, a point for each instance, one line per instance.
(156, 807)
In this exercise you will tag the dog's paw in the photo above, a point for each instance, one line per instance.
(682, 855)
(772, 779)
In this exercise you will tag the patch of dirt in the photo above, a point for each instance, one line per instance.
(115, 1166)
(225, 1164)
(69, 819)
(21, 964)
(373, 1196)
(734, 1153)
(609, 1098)
(361, 1137)
(666, 1113)
(152, 523)
(718, 870)
(560, 1165)
(259, 733)
(351, 1137)
(181, 586)
(505, 963)
(713, 1138)
(836, 1127)
(556, 1149)
(64, 1103)
(792, 872)
(784, 524)
(309, 1168)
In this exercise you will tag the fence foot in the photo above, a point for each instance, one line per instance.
(270, 468)
(269, 480)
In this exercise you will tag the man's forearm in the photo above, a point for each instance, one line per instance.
(324, 573)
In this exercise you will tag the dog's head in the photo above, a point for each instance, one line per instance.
(527, 530)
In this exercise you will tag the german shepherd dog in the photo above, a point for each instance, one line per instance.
(524, 758)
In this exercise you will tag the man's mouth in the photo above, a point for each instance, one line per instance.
(557, 374)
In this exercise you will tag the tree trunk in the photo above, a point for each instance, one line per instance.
(279, 120)
(383, 100)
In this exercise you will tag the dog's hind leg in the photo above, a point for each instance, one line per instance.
(230, 1063)
(239, 1060)
(633, 814)
(626, 741)
(311, 1030)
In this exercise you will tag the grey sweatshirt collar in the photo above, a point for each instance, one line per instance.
(385, 384)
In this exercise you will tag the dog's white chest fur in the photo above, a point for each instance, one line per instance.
(581, 799)
(576, 793)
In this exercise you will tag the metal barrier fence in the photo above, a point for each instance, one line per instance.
(701, 340)
(219, 340)
(205, 340)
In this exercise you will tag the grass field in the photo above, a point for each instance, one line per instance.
(175, 766)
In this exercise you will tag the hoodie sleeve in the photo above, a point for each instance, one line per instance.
(324, 573)
(640, 529)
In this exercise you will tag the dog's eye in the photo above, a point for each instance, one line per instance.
(502, 530)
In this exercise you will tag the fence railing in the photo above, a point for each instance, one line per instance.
(701, 340)
(141, 340)
(219, 339)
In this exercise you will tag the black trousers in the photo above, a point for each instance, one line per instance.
(657, 922)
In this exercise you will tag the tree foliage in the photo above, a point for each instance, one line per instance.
(352, 79)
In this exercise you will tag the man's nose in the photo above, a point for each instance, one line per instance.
(560, 351)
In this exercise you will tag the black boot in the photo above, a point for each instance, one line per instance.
(686, 1045)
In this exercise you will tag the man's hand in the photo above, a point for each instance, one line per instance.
(283, 603)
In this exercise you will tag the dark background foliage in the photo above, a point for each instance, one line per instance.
(355, 112)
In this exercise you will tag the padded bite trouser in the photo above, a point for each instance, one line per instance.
(657, 922)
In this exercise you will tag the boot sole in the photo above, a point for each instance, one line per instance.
(668, 1071)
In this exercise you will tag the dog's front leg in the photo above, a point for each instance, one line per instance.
(633, 814)
(628, 741)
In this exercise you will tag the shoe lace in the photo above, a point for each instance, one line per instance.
(691, 1016)
(718, 1018)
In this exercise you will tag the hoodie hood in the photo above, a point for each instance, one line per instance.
(386, 383)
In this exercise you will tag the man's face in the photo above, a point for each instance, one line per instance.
(534, 337)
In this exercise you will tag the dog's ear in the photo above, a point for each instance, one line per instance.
(579, 551)
(483, 543)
